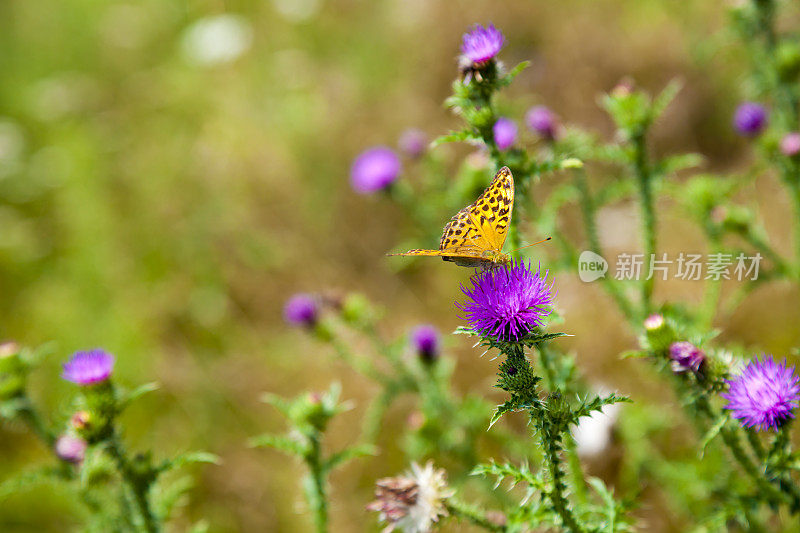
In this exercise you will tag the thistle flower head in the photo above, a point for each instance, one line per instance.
(750, 119)
(413, 502)
(686, 356)
(425, 341)
(764, 394)
(413, 142)
(88, 368)
(542, 121)
(70, 448)
(507, 302)
(374, 170)
(481, 44)
(301, 310)
(653, 322)
(790, 144)
(505, 133)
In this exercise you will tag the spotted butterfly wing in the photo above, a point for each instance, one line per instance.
(476, 234)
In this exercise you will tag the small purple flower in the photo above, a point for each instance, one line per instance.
(507, 302)
(542, 121)
(70, 448)
(374, 169)
(505, 133)
(686, 356)
(425, 341)
(764, 395)
(790, 144)
(480, 44)
(88, 368)
(750, 119)
(301, 310)
(413, 142)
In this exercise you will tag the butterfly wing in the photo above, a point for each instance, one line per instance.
(480, 227)
(483, 223)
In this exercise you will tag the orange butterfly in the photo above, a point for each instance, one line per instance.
(474, 237)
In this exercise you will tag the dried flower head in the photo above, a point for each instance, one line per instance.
(750, 119)
(481, 44)
(505, 133)
(686, 356)
(413, 502)
(70, 448)
(507, 302)
(764, 394)
(301, 310)
(542, 121)
(88, 368)
(425, 341)
(374, 170)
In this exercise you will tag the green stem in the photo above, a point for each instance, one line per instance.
(731, 439)
(136, 486)
(31, 417)
(318, 500)
(551, 447)
(712, 292)
(589, 213)
(471, 514)
(644, 179)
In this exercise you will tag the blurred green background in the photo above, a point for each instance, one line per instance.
(171, 172)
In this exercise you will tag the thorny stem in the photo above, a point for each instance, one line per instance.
(471, 514)
(551, 446)
(589, 213)
(137, 487)
(644, 179)
(317, 497)
(731, 439)
(787, 103)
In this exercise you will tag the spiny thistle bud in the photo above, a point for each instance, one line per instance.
(301, 310)
(70, 448)
(542, 121)
(505, 133)
(413, 143)
(425, 342)
(80, 420)
(686, 356)
(658, 333)
(750, 119)
(790, 144)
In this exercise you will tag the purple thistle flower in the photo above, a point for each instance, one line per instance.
(413, 142)
(374, 169)
(88, 368)
(480, 44)
(505, 133)
(70, 448)
(507, 302)
(542, 121)
(425, 341)
(750, 119)
(764, 394)
(686, 356)
(301, 310)
(790, 144)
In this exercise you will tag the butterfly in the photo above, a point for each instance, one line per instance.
(474, 237)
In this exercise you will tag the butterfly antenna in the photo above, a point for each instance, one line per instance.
(528, 246)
